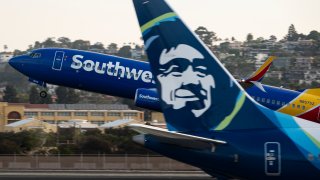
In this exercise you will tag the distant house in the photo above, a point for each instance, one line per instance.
(78, 123)
(282, 62)
(237, 45)
(303, 42)
(275, 74)
(5, 56)
(137, 52)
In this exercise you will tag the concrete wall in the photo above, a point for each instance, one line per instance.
(102, 162)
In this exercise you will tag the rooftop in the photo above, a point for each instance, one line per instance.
(116, 123)
(21, 122)
(75, 106)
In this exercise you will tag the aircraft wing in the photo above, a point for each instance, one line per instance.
(164, 133)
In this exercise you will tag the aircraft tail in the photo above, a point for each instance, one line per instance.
(197, 92)
(261, 72)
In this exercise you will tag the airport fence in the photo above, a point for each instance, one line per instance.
(92, 162)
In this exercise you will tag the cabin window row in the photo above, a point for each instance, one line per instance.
(272, 101)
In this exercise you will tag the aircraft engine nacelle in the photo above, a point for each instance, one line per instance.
(147, 98)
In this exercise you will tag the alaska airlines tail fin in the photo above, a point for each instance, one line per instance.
(197, 92)
(259, 74)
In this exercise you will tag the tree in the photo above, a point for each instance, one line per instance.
(292, 34)
(260, 39)
(62, 94)
(97, 45)
(249, 37)
(81, 44)
(64, 41)
(67, 95)
(37, 45)
(49, 42)
(11, 94)
(314, 35)
(31, 139)
(112, 48)
(125, 51)
(34, 97)
(233, 39)
(273, 38)
(206, 36)
(95, 145)
(72, 97)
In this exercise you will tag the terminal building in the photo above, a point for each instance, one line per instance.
(56, 114)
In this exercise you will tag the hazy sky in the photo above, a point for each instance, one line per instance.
(25, 21)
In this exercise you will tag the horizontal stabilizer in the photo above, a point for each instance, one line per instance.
(313, 91)
(160, 132)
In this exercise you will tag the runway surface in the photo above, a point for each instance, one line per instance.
(92, 175)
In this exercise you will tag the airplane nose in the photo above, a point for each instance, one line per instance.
(15, 62)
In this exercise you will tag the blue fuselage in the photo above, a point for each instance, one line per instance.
(94, 72)
(121, 77)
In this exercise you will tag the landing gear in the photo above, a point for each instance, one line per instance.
(43, 85)
(43, 94)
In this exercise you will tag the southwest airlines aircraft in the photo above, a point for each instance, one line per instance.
(133, 79)
(212, 122)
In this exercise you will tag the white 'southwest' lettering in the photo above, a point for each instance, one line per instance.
(141, 96)
(111, 69)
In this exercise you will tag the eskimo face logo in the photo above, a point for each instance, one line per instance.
(185, 80)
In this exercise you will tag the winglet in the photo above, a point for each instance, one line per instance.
(259, 74)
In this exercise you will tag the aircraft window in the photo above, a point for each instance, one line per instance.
(283, 103)
(293, 105)
(258, 98)
(298, 106)
(263, 99)
(268, 100)
(278, 102)
(273, 101)
(35, 55)
(303, 107)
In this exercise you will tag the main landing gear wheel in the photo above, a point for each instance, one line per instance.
(43, 94)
